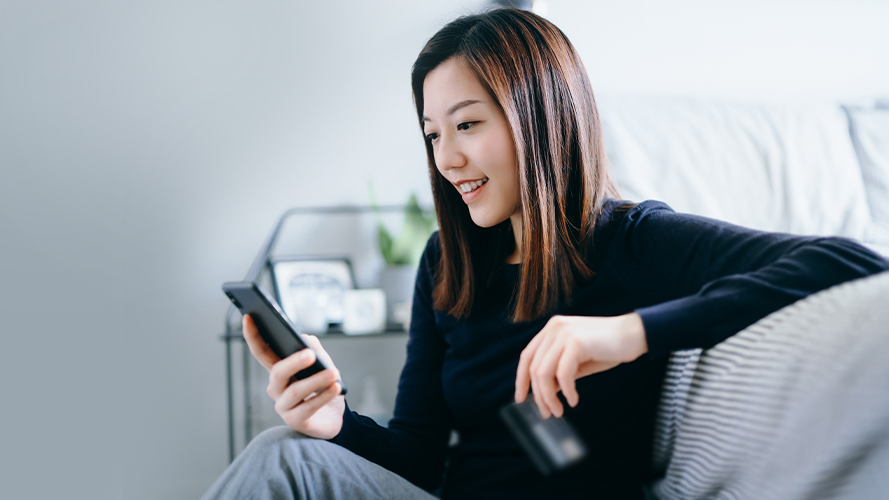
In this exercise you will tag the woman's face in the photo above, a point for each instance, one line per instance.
(472, 143)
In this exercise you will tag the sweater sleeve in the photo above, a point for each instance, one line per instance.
(414, 444)
(706, 279)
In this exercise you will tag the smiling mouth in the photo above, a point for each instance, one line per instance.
(468, 187)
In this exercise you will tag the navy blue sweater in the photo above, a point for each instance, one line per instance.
(694, 281)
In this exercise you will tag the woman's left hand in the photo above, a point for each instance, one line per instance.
(571, 347)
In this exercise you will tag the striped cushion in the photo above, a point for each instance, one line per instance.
(794, 406)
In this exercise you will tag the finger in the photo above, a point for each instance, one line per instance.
(319, 350)
(566, 374)
(300, 391)
(308, 408)
(258, 347)
(523, 377)
(523, 374)
(538, 389)
(284, 370)
(546, 377)
(591, 367)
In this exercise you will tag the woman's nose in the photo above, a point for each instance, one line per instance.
(449, 154)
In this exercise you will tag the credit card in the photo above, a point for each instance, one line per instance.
(552, 444)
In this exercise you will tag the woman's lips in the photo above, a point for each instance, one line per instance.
(468, 197)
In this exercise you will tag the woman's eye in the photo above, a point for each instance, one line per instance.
(431, 137)
(465, 125)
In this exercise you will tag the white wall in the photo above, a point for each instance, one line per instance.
(146, 148)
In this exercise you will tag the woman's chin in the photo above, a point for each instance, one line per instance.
(482, 219)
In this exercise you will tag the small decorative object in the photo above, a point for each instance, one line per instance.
(364, 311)
(310, 290)
(402, 255)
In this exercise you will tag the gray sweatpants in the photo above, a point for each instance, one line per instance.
(281, 463)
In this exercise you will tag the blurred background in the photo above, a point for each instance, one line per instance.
(147, 148)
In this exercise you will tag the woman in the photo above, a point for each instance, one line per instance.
(539, 279)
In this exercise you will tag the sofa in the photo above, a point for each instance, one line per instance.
(797, 404)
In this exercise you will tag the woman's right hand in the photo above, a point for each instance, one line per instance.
(312, 406)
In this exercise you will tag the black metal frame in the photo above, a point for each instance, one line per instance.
(262, 260)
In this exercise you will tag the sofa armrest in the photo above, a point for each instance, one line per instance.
(794, 404)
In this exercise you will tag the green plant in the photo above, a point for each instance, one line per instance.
(406, 248)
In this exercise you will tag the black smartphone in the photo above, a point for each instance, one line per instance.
(274, 327)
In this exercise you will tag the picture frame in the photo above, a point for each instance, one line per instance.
(310, 290)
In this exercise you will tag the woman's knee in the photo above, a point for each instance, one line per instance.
(285, 444)
(264, 466)
(274, 438)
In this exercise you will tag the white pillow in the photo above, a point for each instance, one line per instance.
(870, 135)
(788, 168)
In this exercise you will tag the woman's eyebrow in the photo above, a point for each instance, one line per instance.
(453, 109)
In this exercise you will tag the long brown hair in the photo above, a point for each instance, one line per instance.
(532, 71)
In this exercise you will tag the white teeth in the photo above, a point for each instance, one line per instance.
(467, 187)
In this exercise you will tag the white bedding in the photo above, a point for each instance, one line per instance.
(776, 168)
(870, 135)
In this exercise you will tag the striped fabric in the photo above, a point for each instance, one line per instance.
(795, 406)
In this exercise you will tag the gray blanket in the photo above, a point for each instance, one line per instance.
(795, 406)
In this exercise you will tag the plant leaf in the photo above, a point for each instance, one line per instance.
(384, 239)
(385, 242)
(408, 246)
